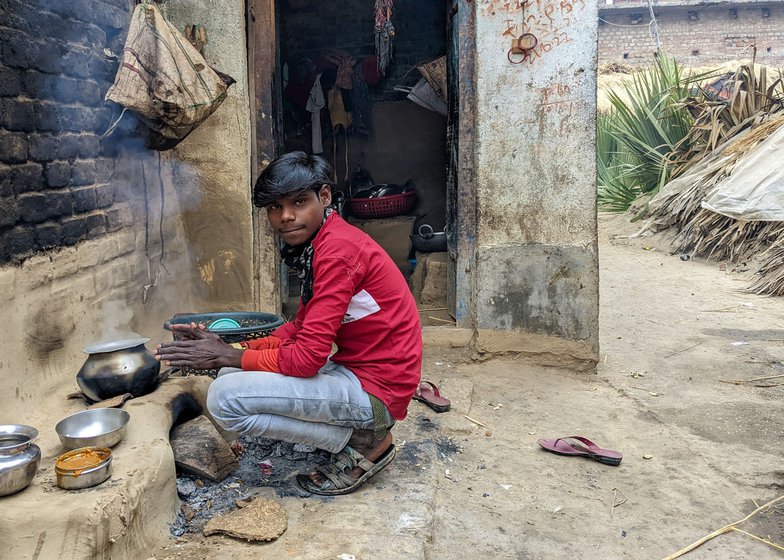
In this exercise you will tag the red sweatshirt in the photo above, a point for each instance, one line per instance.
(362, 304)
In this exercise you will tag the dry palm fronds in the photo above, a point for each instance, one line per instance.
(771, 272)
(714, 236)
(724, 132)
(679, 203)
(753, 101)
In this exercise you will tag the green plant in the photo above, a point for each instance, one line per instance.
(643, 127)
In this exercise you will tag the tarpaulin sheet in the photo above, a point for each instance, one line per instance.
(755, 189)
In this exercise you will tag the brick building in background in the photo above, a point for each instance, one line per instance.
(697, 33)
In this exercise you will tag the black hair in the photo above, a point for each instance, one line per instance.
(292, 174)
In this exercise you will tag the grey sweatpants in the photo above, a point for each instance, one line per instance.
(322, 410)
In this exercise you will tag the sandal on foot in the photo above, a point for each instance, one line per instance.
(428, 393)
(336, 481)
(581, 447)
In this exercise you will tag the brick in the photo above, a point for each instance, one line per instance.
(58, 173)
(104, 196)
(93, 11)
(27, 177)
(83, 172)
(46, 147)
(17, 115)
(38, 270)
(65, 263)
(39, 207)
(96, 224)
(13, 147)
(78, 119)
(10, 82)
(49, 235)
(6, 185)
(76, 62)
(104, 169)
(74, 230)
(88, 146)
(18, 50)
(9, 214)
(83, 199)
(38, 85)
(16, 242)
(103, 69)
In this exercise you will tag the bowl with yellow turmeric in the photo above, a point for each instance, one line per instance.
(83, 467)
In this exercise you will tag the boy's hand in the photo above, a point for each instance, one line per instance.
(199, 349)
(188, 332)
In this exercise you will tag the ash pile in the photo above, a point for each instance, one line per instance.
(262, 463)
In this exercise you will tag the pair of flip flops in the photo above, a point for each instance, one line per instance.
(578, 446)
(429, 394)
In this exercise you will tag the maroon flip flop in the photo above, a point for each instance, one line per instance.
(581, 447)
(428, 393)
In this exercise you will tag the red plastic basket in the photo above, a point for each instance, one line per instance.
(383, 206)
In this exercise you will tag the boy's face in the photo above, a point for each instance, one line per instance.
(296, 218)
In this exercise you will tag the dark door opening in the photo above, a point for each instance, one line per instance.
(375, 129)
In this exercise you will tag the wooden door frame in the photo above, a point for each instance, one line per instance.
(265, 103)
(462, 241)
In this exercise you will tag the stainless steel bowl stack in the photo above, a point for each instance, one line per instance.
(99, 427)
(19, 457)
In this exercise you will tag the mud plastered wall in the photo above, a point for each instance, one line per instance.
(696, 35)
(93, 243)
(536, 258)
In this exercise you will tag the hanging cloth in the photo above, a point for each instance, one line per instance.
(341, 122)
(384, 34)
(337, 109)
(314, 106)
(344, 64)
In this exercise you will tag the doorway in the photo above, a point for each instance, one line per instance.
(385, 121)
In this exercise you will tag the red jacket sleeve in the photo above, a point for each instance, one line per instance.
(335, 282)
(260, 360)
(289, 330)
(263, 343)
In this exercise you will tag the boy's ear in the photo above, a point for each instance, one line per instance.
(325, 195)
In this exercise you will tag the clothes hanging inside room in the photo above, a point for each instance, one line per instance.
(315, 104)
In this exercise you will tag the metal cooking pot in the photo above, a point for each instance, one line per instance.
(19, 457)
(116, 368)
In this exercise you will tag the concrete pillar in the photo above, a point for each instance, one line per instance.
(537, 273)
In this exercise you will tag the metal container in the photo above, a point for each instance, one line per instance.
(116, 368)
(100, 427)
(429, 241)
(19, 457)
(78, 478)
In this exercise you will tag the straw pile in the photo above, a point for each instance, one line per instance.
(723, 134)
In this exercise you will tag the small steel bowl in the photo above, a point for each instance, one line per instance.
(99, 427)
(77, 478)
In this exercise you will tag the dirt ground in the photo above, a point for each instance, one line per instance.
(699, 452)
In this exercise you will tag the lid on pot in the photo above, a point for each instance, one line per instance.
(114, 346)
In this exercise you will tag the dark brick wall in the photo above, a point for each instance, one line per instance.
(56, 185)
(313, 28)
(696, 35)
